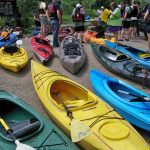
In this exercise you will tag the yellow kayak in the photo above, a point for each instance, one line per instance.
(109, 130)
(13, 58)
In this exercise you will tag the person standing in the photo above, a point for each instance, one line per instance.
(43, 17)
(147, 19)
(134, 21)
(126, 23)
(37, 19)
(78, 16)
(114, 22)
(55, 14)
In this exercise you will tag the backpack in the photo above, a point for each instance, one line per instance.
(134, 12)
(78, 16)
(51, 9)
(129, 13)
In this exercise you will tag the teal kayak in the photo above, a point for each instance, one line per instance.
(29, 127)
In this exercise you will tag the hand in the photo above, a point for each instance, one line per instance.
(60, 22)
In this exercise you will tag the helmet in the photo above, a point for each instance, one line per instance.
(102, 7)
(4, 34)
(78, 5)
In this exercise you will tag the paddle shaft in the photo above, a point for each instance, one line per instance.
(69, 113)
(145, 98)
(8, 130)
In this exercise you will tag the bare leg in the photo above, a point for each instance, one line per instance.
(43, 30)
(122, 34)
(76, 35)
(81, 36)
(116, 35)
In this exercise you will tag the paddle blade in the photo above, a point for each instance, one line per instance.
(21, 146)
(79, 130)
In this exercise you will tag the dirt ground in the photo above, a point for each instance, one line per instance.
(20, 84)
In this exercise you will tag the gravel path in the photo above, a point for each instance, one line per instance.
(21, 85)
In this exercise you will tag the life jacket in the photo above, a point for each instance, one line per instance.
(78, 16)
(51, 9)
(129, 13)
(105, 15)
(5, 34)
(134, 11)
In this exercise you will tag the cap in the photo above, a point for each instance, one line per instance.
(102, 7)
(78, 5)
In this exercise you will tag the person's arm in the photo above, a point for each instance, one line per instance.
(115, 12)
(73, 12)
(125, 16)
(146, 14)
(59, 16)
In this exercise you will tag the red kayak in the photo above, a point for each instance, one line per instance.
(42, 48)
(65, 31)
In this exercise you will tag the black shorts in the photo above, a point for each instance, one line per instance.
(37, 23)
(80, 28)
(148, 28)
(134, 23)
(126, 24)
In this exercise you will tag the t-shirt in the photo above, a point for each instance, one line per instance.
(115, 20)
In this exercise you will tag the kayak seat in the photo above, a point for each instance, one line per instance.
(41, 41)
(65, 31)
(11, 49)
(72, 49)
(122, 57)
(23, 128)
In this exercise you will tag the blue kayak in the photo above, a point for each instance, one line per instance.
(11, 39)
(140, 55)
(131, 103)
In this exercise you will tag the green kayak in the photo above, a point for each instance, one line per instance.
(29, 127)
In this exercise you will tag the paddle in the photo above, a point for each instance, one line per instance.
(9, 131)
(141, 98)
(78, 129)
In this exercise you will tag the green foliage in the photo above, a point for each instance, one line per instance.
(27, 8)
(1, 22)
(8, 20)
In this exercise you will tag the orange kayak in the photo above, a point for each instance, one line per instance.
(91, 36)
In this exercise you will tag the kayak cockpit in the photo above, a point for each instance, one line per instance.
(128, 95)
(112, 54)
(74, 97)
(11, 50)
(42, 41)
(22, 122)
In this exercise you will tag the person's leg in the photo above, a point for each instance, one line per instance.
(81, 36)
(116, 35)
(43, 23)
(82, 29)
(76, 35)
(122, 34)
(55, 27)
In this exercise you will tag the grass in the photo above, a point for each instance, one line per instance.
(67, 19)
